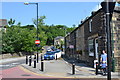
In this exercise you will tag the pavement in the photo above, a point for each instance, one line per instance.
(63, 69)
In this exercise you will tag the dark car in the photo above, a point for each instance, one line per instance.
(49, 56)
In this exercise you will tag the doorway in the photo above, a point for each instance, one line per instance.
(96, 49)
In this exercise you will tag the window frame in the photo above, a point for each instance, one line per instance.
(90, 25)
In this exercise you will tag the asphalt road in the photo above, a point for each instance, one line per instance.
(12, 64)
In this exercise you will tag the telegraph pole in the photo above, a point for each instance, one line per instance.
(108, 7)
(26, 3)
(108, 29)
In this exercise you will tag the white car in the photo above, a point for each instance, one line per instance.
(58, 54)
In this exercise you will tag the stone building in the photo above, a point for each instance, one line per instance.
(115, 24)
(58, 41)
(89, 38)
(3, 23)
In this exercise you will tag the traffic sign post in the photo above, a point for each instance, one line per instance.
(35, 61)
(37, 42)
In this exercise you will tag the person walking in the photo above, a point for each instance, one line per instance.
(104, 62)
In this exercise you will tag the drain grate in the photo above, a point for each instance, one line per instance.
(26, 75)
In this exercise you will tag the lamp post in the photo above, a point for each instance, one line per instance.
(108, 7)
(26, 3)
(64, 39)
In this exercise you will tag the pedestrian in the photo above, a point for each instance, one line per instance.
(103, 62)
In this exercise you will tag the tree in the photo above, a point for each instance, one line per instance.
(11, 22)
(22, 38)
(1, 42)
(40, 20)
(28, 40)
(17, 39)
(19, 24)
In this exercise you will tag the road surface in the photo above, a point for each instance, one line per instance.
(11, 64)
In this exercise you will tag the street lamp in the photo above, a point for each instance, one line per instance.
(108, 8)
(27, 3)
(65, 29)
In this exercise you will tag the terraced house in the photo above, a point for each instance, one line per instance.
(89, 39)
(3, 23)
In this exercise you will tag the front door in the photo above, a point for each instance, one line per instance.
(96, 49)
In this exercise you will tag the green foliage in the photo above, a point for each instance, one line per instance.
(19, 38)
(0, 42)
(11, 22)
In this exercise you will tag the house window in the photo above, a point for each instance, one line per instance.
(91, 47)
(57, 42)
(90, 25)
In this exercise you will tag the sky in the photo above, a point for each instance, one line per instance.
(57, 13)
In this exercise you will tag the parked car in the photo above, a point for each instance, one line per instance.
(49, 55)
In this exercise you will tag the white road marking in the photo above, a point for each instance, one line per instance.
(9, 65)
(15, 63)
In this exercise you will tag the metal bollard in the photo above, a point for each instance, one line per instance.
(26, 59)
(35, 61)
(73, 68)
(30, 60)
(37, 57)
(96, 72)
(42, 66)
(113, 65)
(56, 56)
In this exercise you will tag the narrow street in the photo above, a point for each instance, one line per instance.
(52, 69)
(60, 40)
(12, 69)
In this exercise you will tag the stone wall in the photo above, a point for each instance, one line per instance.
(117, 64)
(4, 56)
(94, 29)
(11, 55)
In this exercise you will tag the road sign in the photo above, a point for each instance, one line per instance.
(37, 41)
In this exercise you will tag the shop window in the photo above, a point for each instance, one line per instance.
(91, 47)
